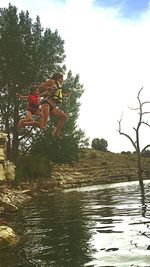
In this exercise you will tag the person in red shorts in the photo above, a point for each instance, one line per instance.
(32, 109)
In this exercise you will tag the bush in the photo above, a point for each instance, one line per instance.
(99, 144)
(66, 151)
(126, 152)
(33, 167)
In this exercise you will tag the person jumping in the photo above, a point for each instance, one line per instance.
(32, 109)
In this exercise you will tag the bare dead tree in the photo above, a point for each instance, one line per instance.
(136, 142)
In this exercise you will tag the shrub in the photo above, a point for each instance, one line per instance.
(33, 167)
(99, 144)
(126, 152)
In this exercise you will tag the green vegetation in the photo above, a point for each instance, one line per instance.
(33, 168)
(30, 55)
(99, 144)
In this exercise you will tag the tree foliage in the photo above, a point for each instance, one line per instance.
(33, 168)
(99, 144)
(29, 55)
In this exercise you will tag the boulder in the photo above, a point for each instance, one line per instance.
(8, 238)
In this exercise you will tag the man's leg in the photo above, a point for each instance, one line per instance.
(62, 118)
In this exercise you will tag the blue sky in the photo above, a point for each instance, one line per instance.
(132, 9)
(108, 44)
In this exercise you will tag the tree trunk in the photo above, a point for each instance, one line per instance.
(15, 141)
(140, 169)
(8, 152)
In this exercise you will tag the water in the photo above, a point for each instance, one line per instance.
(96, 226)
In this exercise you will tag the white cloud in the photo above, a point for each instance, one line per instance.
(111, 55)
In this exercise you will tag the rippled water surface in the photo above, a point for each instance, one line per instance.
(92, 226)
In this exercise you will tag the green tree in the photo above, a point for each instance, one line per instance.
(28, 55)
(99, 144)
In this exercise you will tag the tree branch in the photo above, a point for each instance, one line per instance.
(148, 112)
(25, 152)
(22, 137)
(138, 97)
(133, 108)
(121, 133)
(145, 148)
(146, 102)
(146, 123)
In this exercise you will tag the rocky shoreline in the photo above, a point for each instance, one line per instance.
(10, 201)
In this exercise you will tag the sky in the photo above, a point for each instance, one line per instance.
(107, 42)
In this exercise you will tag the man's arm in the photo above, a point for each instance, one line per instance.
(44, 93)
(47, 84)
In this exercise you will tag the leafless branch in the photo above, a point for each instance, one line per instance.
(142, 104)
(146, 123)
(139, 93)
(122, 133)
(146, 102)
(133, 108)
(145, 148)
(148, 112)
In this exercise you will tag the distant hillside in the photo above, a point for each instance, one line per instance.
(96, 167)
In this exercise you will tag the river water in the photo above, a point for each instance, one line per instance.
(107, 225)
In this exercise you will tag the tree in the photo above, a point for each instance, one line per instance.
(28, 55)
(136, 142)
(99, 144)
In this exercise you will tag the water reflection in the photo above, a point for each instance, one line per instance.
(91, 226)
